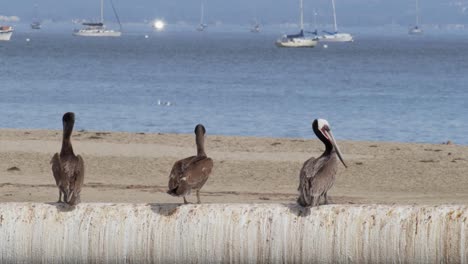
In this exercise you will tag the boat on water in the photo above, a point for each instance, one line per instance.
(36, 24)
(416, 30)
(6, 32)
(335, 36)
(255, 28)
(297, 40)
(98, 29)
(202, 26)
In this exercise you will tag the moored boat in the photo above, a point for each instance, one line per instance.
(6, 32)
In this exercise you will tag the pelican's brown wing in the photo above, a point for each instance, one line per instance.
(79, 174)
(198, 171)
(56, 168)
(76, 180)
(308, 172)
(324, 178)
(177, 172)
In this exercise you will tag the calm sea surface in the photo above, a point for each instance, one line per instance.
(381, 87)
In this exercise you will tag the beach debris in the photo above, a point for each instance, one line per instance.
(141, 133)
(297, 140)
(372, 146)
(264, 198)
(458, 159)
(359, 163)
(276, 143)
(95, 137)
(8, 194)
(428, 161)
(27, 133)
(435, 150)
(14, 168)
(448, 142)
(102, 133)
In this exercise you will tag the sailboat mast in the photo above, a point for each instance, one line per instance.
(315, 19)
(202, 13)
(417, 13)
(102, 11)
(302, 15)
(334, 16)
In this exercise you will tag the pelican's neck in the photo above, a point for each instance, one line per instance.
(328, 147)
(66, 142)
(325, 141)
(200, 140)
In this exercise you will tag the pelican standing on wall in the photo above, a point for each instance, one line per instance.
(192, 172)
(68, 169)
(318, 175)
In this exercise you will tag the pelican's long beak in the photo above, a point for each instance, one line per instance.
(338, 151)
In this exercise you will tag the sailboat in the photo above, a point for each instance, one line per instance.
(416, 30)
(36, 24)
(256, 28)
(297, 40)
(335, 36)
(202, 25)
(5, 33)
(98, 29)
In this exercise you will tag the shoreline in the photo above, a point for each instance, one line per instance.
(134, 168)
(311, 136)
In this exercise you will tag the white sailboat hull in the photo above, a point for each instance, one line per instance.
(415, 31)
(5, 35)
(201, 27)
(98, 29)
(297, 43)
(338, 37)
(298, 40)
(97, 33)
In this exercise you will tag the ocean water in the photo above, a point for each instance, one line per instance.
(388, 87)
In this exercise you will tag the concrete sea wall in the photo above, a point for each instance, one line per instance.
(232, 233)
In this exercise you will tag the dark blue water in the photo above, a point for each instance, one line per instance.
(391, 88)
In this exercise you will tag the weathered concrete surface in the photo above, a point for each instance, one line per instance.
(232, 233)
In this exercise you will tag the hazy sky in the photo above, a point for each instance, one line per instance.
(350, 12)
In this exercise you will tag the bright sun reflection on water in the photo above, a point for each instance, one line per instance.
(159, 25)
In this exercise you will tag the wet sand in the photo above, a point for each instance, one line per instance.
(134, 167)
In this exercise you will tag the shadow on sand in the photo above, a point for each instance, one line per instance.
(167, 210)
(298, 210)
(63, 207)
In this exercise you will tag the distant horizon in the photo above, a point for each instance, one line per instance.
(349, 13)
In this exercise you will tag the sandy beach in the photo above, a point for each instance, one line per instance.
(134, 167)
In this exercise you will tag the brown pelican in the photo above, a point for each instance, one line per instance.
(318, 175)
(192, 172)
(68, 168)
